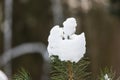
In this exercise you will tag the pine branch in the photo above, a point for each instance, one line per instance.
(109, 71)
(59, 69)
(22, 75)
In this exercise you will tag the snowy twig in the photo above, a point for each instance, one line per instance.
(27, 48)
(64, 43)
(8, 5)
(23, 49)
(57, 11)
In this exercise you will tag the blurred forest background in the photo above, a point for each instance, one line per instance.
(25, 26)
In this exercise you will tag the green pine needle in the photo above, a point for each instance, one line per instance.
(59, 69)
(109, 71)
(22, 75)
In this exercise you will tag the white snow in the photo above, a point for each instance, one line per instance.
(54, 39)
(67, 49)
(56, 34)
(69, 26)
(3, 76)
(73, 49)
(106, 77)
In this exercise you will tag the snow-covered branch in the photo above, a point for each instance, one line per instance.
(23, 49)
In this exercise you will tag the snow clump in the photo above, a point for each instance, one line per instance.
(64, 43)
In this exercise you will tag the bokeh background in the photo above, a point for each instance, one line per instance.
(25, 26)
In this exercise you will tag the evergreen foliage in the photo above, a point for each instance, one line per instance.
(59, 69)
(22, 75)
(109, 71)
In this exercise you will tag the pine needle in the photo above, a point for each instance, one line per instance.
(22, 75)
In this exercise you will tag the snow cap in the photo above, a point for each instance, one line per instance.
(67, 49)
